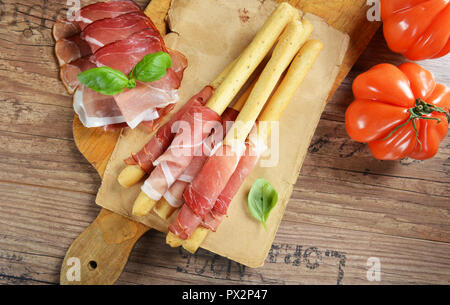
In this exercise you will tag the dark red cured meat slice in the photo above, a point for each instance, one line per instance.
(203, 192)
(123, 55)
(70, 49)
(65, 27)
(105, 31)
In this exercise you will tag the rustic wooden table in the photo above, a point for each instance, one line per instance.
(346, 207)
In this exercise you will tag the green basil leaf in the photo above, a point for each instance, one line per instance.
(152, 67)
(105, 80)
(262, 198)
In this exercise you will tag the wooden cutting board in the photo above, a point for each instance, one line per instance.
(104, 247)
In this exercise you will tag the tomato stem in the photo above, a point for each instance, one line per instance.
(419, 111)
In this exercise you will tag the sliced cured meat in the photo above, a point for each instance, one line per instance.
(66, 27)
(71, 49)
(203, 192)
(102, 10)
(189, 222)
(69, 73)
(164, 136)
(118, 35)
(141, 103)
(105, 31)
(100, 110)
(123, 55)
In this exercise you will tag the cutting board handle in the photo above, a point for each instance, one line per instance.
(99, 254)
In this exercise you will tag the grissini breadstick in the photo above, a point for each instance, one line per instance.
(272, 112)
(163, 208)
(246, 64)
(132, 174)
(253, 55)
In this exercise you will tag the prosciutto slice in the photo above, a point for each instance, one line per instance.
(164, 136)
(245, 166)
(69, 73)
(123, 55)
(174, 196)
(90, 13)
(194, 126)
(71, 49)
(105, 31)
(203, 192)
(99, 34)
(100, 111)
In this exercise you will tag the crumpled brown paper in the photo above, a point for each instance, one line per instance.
(211, 34)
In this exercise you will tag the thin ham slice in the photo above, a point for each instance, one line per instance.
(245, 166)
(105, 31)
(137, 103)
(195, 125)
(69, 73)
(174, 196)
(101, 110)
(164, 136)
(71, 49)
(123, 55)
(65, 28)
(99, 34)
(203, 192)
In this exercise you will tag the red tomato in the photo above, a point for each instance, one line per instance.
(399, 111)
(419, 29)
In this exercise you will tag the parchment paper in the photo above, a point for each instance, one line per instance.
(211, 34)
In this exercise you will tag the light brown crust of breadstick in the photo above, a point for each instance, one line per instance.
(288, 45)
(163, 209)
(297, 72)
(143, 205)
(252, 56)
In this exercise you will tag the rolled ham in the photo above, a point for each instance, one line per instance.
(194, 126)
(174, 196)
(203, 192)
(188, 219)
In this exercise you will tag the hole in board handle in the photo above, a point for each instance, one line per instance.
(92, 265)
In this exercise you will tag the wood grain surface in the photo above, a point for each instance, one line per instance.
(346, 206)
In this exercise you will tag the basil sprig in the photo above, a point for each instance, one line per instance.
(262, 198)
(108, 81)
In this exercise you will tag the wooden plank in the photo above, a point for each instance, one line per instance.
(34, 240)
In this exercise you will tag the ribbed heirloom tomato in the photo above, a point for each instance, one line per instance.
(399, 111)
(419, 29)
